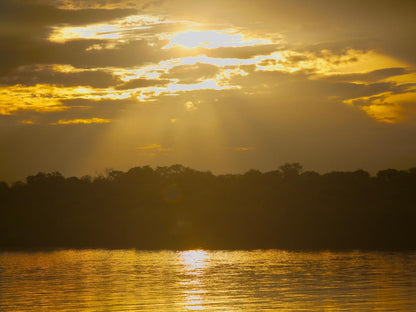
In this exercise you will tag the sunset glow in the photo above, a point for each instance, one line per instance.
(211, 39)
(246, 88)
(221, 155)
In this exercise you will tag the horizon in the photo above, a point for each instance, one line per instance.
(104, 173)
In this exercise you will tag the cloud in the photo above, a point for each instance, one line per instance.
(25, 28)
(188, 74)
(68, 76)
(212, 39)
(372, 76)
(243, 148)
(76, 54)
(388, 26)
(82, 121)
(101, 4)
(243, 52)
(44, 98)
(19, 98)
(142, 83)
(151, 146)
(28, 122)
(153, 150)
(27, 14)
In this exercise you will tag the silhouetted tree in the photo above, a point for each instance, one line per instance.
(179, 207)
(290, 170)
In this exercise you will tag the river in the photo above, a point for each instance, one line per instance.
(202, 280)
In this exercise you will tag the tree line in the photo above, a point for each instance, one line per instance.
(177, 207)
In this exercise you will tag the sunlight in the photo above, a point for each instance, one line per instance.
(113, 30)
(385, 107)
(194, 260)
(362, 62)
(212, 39)
(203, 85)
(194, 300)
(88, 32)
(173, 89)
(388, 113)
(402, 79)
(154, 71)
(217, 61)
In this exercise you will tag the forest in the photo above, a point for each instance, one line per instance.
(176, 207)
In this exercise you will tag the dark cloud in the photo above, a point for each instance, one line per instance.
(27, 15)
(345, 90)
(24, 28)
(78, 4)
(151, 31)
(339, 47)
(404, 88)
(142, 83)
(134, 53)
(305, 84)
(372, 76)
(188, 74)
(32, 75)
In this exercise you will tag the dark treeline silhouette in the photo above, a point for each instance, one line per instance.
(177, 208)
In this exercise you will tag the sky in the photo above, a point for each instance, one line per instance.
(225, 86)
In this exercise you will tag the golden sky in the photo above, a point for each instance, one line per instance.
(215, 85)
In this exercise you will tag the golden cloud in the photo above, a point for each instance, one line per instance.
(37, 98)
(151, 146)
(81, 121)
(387, 106)
(153, 150)
(28, 122)
(47, 98)
(243, 148)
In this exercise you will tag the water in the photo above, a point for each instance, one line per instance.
(130, 280)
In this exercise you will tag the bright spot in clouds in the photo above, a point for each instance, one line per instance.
(189, 106)
(212, 39)
(107, 31)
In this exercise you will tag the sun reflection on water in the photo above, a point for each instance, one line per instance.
(195, 262)
(198, 280)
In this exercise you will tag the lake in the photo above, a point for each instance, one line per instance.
(199, 280)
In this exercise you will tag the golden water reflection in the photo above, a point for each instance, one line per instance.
(199, 280)
(195, 261)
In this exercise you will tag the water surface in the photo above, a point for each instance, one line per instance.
(130, 280)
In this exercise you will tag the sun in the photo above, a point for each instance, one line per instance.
(211, 39)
